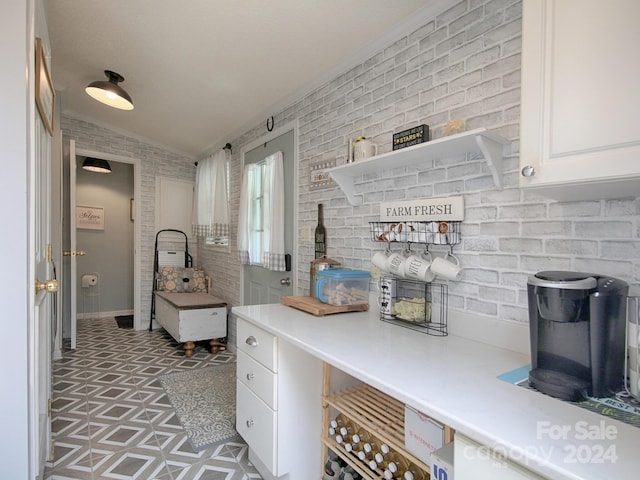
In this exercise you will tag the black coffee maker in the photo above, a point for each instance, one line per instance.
(577, 328)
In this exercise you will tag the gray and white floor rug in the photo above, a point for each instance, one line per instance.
(205, 402)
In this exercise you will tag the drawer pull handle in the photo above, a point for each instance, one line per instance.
(249, 423)
(250, 376)
(528, 171)
(251, 341)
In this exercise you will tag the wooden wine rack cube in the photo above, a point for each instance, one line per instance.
(380, 415)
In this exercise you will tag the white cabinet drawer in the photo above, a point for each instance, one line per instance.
(261, 380)
(256, 423)
(258, 343)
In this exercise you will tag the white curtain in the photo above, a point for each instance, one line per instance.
(261, 220)
(210, 201)
(246, 215)
(273, 238)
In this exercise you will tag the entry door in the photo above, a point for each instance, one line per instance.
(45, 287)
(259, 284)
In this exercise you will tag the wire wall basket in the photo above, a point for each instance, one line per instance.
(413, 304)
(430, 233)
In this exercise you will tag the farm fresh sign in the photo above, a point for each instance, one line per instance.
(427, 210)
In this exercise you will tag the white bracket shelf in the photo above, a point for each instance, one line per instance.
(480, 141)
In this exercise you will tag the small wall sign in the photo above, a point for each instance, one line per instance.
(319, 178)
(90, 218)
(425, 209)
(410, 137)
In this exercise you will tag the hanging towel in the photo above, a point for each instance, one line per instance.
(210, 201)
(261, 216)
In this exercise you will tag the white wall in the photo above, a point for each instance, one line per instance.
(14, 138)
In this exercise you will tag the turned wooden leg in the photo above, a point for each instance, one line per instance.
(189, 347)
(217, 346)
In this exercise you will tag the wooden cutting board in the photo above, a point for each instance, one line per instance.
(317, 308)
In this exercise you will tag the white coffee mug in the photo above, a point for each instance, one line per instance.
(447, 267)
(363, 148)
(380, 259)
(395, 264)
(417, 267)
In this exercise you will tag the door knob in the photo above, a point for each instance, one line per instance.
(285, 281)
(51, 286)
(251, 341)
(75, 253)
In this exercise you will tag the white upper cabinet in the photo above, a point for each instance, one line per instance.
(580, 125)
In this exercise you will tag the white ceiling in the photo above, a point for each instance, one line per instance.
(203, 71)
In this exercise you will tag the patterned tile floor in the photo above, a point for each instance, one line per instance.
(112, 419)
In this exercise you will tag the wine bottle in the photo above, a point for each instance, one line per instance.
(348, 473)
(338, 422)
(333, 467)
(414, 473)
(361, 436)
(348, 430)
(396, 466)
(320, 235)
(381, 456)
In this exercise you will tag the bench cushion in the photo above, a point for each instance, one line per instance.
(182, 279)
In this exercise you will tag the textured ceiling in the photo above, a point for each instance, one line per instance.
(202, 71)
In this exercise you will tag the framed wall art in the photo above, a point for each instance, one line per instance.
(45, 93)
(90, 218)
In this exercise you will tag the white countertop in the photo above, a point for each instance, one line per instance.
(454, 380)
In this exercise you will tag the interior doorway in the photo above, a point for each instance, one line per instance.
(102, 268)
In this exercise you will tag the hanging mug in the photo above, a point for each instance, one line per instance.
(447, 267)
(364, 148)
(380, 259)
(418, 267)
(395, 264)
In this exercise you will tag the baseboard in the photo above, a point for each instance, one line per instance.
(113, 313)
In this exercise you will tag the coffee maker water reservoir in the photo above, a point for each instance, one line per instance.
(577, 333)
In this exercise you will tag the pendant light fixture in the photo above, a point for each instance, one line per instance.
(97, 165)
(109, 92)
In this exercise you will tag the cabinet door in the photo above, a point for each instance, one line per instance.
(580, 97)
(473, 461)
(257, 424)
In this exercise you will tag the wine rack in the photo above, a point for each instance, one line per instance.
(380, 415)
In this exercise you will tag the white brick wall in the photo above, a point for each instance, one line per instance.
(463, 63)
(155, 161)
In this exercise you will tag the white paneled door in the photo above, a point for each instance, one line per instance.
(45, 287)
